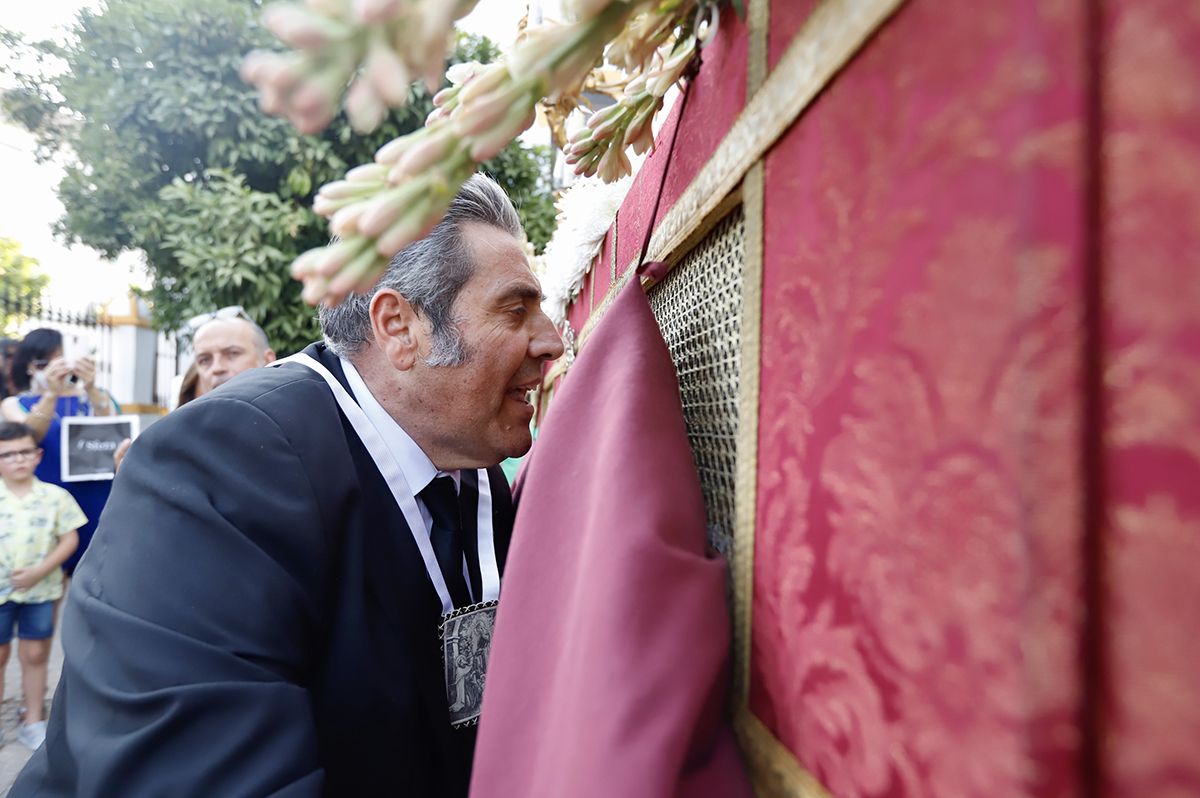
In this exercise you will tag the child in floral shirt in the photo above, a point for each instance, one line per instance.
(38, 524)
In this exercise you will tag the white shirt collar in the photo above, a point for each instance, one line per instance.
(418, 469)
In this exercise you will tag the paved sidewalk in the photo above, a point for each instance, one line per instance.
(14, 755)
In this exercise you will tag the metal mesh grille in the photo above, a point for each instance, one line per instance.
(699, 309)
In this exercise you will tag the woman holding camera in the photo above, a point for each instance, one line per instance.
(50, 389)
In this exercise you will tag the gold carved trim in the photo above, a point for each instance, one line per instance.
(612, 256)
(746, 478)
(774, 772)
(757, 61)
(834, 32)
(592, 282)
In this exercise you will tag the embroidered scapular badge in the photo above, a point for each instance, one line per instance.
(466, 640)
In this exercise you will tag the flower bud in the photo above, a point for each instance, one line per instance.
(422, 155)
(583, 134)
(483, 82)
(306, 262)
(635, 86)
(367, 173)
(582, 148)
(422, 217)
(297, 26)
(603, 115)
(324, 206)
(270, 101)
(370, 12)
(490, 144)
(355, 271)
(344, 223)
(314, 288)
(458, 74)
(383, 210)
(609, 127)
(614, 165)
(387, 74)
(539, 44)
(256, 64)
(310, 123)
(364, 108)
(342, 189)
(334, 257)
(390, 153)
(484, 113)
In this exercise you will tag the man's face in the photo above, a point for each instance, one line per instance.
(479, 409)
(18, 459)
(225, 348)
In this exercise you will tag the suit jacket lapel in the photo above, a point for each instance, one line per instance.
(393, 559)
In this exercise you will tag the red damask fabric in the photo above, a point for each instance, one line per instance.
(1151, 243)
(917, 584)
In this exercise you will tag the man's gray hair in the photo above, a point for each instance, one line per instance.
(429, 273)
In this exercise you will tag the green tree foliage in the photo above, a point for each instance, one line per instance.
(20, 282)
(167, 153)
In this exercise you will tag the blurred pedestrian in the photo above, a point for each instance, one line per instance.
(50, 389)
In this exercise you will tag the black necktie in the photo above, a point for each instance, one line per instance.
(441, 499)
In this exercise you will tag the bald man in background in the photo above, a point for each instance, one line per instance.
(225, 348)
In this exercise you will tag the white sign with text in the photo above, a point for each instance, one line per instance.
(89, 443)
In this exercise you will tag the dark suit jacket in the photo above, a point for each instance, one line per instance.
(253, 617)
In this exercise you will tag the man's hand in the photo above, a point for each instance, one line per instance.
(25, 578)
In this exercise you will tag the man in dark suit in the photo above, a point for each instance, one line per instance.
(283, 563)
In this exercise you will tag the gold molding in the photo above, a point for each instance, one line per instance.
(592, 282)
(757, 62)
(746, 477)
(834, 32)
(774, 772)
(612, 256)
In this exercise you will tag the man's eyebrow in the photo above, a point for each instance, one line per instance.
(522, 291)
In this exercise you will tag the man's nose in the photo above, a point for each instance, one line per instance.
(546, 343)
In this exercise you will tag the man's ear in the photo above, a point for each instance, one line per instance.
(268, 356)
(397, 328)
